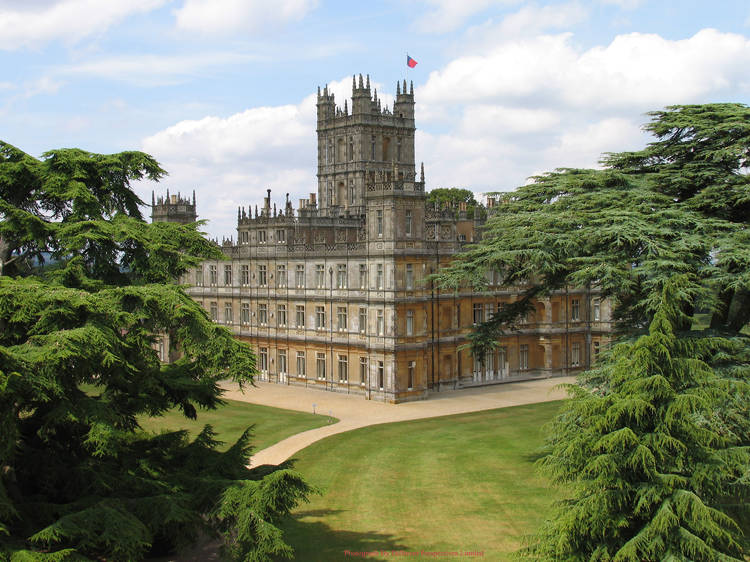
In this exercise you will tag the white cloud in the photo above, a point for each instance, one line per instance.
(447, 15)
(635, 72)
(29, 24)
(528, 21)
(43, 85)
(231, 161)
(539, 103)
(157, 70)
(218, 16)
(624, 4)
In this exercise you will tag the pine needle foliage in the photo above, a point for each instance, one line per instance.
(679, 206)
(86, 287)
(647, 473)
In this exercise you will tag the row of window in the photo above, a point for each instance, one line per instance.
(282, 277)
(491, 367)
(299, 317)
(263, 238)
(321, 373)
(482, 312)
(345, 151)
(280, 234)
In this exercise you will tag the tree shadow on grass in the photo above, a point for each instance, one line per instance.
(316, 541)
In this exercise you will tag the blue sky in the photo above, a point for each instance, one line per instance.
(221, 92)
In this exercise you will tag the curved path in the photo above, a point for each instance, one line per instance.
(353, 411)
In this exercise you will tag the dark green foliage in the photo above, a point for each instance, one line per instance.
(451, 196)
(635, 442)
(78, 478)
(648, 470)
(681, 205)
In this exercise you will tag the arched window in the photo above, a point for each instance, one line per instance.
(386, 148)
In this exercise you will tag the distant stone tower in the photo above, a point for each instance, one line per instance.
(173, 209)
(370, 146)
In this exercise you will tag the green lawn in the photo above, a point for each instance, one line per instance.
(271, 424)
(457, 483)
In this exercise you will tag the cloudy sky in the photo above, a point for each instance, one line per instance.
(222, 92)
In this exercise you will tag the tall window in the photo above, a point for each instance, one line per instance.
(262, 276)
(351, 149)
(343, 368)
(409, 322)
(299, 276)
(199, 275)
(245, 275)
(398, 150)
(341, 276)
(341, 318)
(575, 310)
(263, 314)
(300, 314)
(214, 308)
(245, 313)
(301, 363)
(379, 276)
(477, 313)
(411, 370)
(228, 275)
(381, 373)
(281, 278)
(409, 276)
(362, 320)
(362, 276)
(213, 276)
(320, 363)
(320, 276)
(477, 372)
(228, 313)
(597, 310)
(372, 147)
(280, 236)
(408, 223)
(381, 323)
(362, 370)
(320, 317)
(523, 357)
(262, 237)
(281, 315)
(351, 192)
(263, 358)
(501, 359)
(282, 361)
(575, 354)
(379, 222)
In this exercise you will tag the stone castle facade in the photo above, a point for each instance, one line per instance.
(333, 294)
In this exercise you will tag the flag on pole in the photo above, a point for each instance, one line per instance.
(410, 62)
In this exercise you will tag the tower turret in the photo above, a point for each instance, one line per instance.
(173, 208)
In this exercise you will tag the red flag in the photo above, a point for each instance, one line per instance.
(410, 62)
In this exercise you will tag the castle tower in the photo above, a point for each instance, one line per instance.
(173, 208)
(371, 145)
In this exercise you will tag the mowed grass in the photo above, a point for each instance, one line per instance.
(271, 425)
(463, 483)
